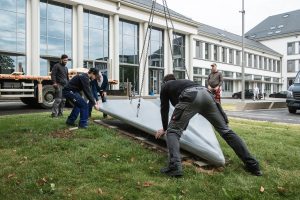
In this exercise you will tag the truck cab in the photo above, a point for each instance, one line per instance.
(293, 95)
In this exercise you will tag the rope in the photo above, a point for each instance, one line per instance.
(150, 25)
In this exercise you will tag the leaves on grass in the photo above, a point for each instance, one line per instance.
(188, 162)
(148, 184)
(211, 171)
(99, 191)
(281, 190)
(64, 134)
(11, 176)
(262, 189)
(42, 181)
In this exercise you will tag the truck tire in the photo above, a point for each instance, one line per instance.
(31, 101)
(235, 96)
(48, 96)
(292, 110)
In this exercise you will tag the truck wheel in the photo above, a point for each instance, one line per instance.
(48, 96)
(292, 110)
(31, 101)
(235, 96)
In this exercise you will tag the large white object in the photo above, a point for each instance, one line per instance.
(199, 137)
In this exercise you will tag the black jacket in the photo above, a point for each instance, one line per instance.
(170, 92)
(80, 83)
(59, 74)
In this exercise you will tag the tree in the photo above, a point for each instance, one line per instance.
(6, 64)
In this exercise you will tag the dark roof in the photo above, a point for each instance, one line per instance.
(231, 37)
(158, 7)
(276, 26)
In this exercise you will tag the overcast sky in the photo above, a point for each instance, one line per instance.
(224, 14)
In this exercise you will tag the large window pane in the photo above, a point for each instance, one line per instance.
(20, 42)
(96, 21)
(8, 5)
(21, 6)
(8, 40)
(10, 64)
(21, 23)
(43, 10)
(8, 20)
(55, 12)
(55, 46)
(56, 29)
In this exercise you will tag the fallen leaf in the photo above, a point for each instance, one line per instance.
(262, 189)
(11, 175)
(132, 159)
(281, 189)
(147, 184)
(99, 191)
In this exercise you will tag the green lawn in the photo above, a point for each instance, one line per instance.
(40, 159)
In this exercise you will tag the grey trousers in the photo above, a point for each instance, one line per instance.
(198, 100)
(59, 102)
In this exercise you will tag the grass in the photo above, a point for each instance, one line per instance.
(40, 159)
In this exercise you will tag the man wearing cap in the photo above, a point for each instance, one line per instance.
(215, 81)
(77, 84)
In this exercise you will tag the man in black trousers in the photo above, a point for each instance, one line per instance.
(189, 98)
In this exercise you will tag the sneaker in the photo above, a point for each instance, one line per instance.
(172, 170)
(254, 170)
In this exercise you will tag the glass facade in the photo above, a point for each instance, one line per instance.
(12, 36)
(95, 36)
(179, 51)
(156, 57)
(129, 55)
(156, 61)
(199, 52)
(129, 51)
(55, 33)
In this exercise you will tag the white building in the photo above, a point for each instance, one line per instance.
(282, 33)
(109, 35)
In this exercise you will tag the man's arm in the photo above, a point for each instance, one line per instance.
(220, 78)
(53, 74)
(164, 108)
(86, 88)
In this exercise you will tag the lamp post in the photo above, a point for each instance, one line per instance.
(243, 52)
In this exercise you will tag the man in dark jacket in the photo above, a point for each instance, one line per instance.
(72, 92)
(190, 99)
(99, 85)
(60, 78)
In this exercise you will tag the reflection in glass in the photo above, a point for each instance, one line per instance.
(95, 36)
(130, 74)
(8, 40)
(10, 64)
(156, 48)
(55, 29)
(128, 42)
(179, 51)
(9, 5)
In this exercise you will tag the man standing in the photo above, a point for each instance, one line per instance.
(60, 78)
(190, 99)
(215, 81)
(72, 92)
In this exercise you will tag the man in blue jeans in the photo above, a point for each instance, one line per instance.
(80, 83)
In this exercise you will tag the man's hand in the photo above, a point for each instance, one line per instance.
(55, 85)
(97, 106)
(160, 133)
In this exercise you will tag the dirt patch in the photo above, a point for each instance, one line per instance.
(64, 134)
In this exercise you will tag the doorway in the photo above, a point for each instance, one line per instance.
(130, 74)
(155, 80)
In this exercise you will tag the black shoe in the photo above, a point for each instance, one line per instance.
(83, 127)
(254, 170)
(54, 115)
(172, 170)
(70, 123)
(60, 115)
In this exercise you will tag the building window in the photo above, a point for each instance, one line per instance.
(290, 48)
(257, 77)
(291, 66)
(298, 47)
(156, 57)
(207, 51)
(224, 54)
(228, 74)
(265, 64)
(129, 51)
(198, 80)
(278, 66)
(238, 57)
(230, 56)
(260, 62)
(12, 36)
(207, 72)
(249, 60)
(95, 36)
(179, 54)
(179, 74)
(197, 71)
(216, 53)
(56, 28)
(227, 86)
(270, 65)
(267, 78)
(255, 61)
(199, 51)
